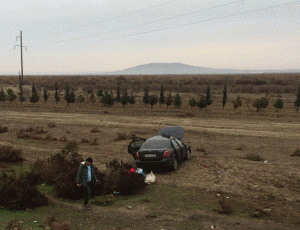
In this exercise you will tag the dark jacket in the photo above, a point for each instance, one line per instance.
(82, 175)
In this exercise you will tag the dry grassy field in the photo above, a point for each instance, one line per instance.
(223, 173)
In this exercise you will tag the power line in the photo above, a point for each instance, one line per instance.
(151, 22)
(106, 20)
(187, 24)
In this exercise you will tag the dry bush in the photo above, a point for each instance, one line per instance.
(85, 140)
(120, 136)
(60, 170)
(95, 141)
(21, 134)
(95, 130)
(51, 125)
(40, 130)
(33, 134)
(54, 224)
(201, 150)
(3, 129)
(254, 157)
(49, 138)
(30, 133)
(35, 130)
(64, 225)
(296, 153)
(117, 179)
(35, 137)
(259, 213)
(18, 193)
(9, 154)
(225, 206)
(63, 139)
(188, 114)
(29, 129)
(14, 225)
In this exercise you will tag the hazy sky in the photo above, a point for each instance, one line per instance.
(74, 36)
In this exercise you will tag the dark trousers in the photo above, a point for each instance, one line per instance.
(87, 193)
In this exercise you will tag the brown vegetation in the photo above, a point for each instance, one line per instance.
(3, 129)
(252, 83)
(9, 154)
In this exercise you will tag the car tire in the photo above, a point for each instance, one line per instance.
(188, 155)
(175, 164)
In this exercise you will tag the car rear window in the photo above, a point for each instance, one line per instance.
(156, 144)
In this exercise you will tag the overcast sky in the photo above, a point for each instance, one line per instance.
(75, 36)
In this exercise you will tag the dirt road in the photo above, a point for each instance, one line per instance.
(219, 126)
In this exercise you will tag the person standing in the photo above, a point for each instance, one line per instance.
(85, 178)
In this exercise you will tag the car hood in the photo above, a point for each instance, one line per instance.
(175, 131)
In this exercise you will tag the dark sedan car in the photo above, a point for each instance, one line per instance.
(167, 149)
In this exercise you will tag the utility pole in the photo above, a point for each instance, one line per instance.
(22, 98)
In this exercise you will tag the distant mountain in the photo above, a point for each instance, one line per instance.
(173, 68)
(167, 69)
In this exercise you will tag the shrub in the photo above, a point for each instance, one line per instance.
(60, 170)
(296, 153)
(64, 225)
(3, 129)
(49, 138)
(39, 130)
(95, 142)
(192, 102)
(121, 136)
(81, 98)
(35, 137)
(226, 206)
(8, 154)
(188, 114)
(202, 103)
(237, 102)
(117, 179)
(278, 104)
(21, 134)
(30, 133)
(85, 140)
(95, 130)
(177, 101)
(254, 157)
(14, 225)
(261, 103)
(63, 139)
(18, 194)
(51, 125)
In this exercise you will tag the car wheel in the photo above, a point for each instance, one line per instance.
(175, 164)
(188, 155)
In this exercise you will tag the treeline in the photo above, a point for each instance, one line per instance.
(240, 84)
(108, 99)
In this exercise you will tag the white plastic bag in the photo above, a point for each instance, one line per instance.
(150, 178)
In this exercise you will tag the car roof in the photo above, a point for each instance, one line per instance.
(175, 131)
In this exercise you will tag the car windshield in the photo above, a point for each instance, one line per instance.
(156, 144)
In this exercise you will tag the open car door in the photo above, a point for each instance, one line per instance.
(174, 131)
(135, 145)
